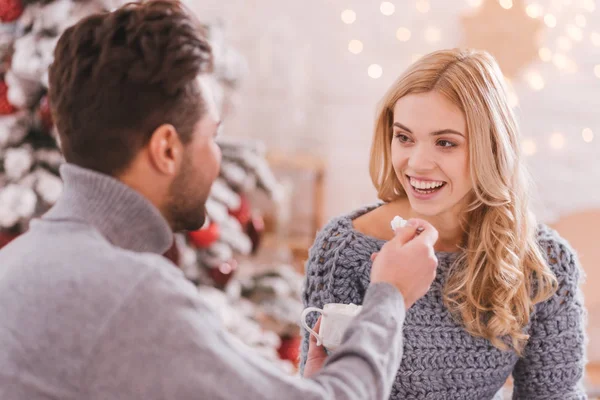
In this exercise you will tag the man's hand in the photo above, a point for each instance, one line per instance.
(408, 261)
(316, 354)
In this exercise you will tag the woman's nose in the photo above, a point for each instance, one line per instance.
(420, 159)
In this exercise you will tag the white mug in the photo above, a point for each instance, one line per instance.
(334, 321)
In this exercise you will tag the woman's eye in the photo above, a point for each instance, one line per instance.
(401, 137)
(445, 143)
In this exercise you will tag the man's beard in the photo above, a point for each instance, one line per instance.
(187, 200)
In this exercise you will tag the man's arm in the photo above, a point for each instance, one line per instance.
(164, 343)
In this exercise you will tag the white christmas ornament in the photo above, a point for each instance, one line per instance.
(14, 128)
(232, 234)
(234, 174)
(17, 162)
(29, 180)
(223, 193)
(22, 92)
(217, 211)
(16, 203)
(23, 79)
(26, 60)
(217, 254)
(48, 186)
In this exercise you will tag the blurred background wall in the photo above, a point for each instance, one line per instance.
(317, 68)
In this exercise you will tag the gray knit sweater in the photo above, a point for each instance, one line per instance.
(441, 360)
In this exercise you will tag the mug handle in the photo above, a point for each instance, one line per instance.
(308, 328)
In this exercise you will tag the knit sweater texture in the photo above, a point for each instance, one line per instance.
(441, 359)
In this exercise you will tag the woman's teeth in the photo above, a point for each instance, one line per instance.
(426, 186)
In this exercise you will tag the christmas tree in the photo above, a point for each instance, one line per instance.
(251, 302)
(29, 157)
(30, 183)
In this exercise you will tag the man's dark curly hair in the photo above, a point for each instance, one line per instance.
(118, 76)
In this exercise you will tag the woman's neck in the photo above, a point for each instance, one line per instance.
(451, 234)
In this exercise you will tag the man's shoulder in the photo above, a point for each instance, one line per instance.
(69, 291)
(74, 259)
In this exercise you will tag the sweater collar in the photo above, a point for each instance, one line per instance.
(121, 214)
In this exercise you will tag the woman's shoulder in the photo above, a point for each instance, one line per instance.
(562, 260)
(339, 238)
(560, 256)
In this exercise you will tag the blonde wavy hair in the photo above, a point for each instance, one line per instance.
(502, 273)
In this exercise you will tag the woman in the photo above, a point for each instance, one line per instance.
(506, 299)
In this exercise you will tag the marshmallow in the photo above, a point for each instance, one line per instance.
(398, 222)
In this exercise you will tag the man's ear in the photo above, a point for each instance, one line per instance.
(165, 150)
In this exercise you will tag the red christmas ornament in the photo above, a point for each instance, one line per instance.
(5, 106)
(6, 238)
(10, 10)
(222, 274)
(290, 349)
(243, 213)
(204, 237)
(45, 114)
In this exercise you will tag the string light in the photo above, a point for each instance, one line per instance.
(423, 6)
(387, 8)
(348, 16)
(560, 61)
(557, 140)
(535, 80)
(571, 66)
(587, 135)
(574, 32)
(403, 34)
(355, 46)
(475, 3)
(375, 71)
(534, 10)
(550, 20)
(589, 5)
(433, 34)
(564, 43)
(529, 147)
(545, 54)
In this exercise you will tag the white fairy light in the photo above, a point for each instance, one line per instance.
(557, 141)
(348, 16)
(355, 46)
(403, 34)
(387, 8)
(375, 71)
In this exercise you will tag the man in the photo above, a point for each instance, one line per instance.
(89, 309)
